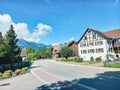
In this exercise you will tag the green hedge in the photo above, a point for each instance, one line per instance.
(14, 66)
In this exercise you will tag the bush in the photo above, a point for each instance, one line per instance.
(17, 71)
(79, 60)
(98, 59)
(1, 74)
(24, 69)
(91, 59)
(7, 73)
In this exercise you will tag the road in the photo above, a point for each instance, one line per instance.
(51, 75)
(78, 77)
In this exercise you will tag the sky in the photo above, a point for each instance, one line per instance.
(58, 21)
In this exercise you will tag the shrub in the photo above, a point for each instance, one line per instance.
(7, 73)
(98, 59)
(24, 69)
(1, 74)
(17, 71)
(91, 59)
(79, 60)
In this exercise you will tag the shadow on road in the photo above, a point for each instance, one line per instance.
(103, 81)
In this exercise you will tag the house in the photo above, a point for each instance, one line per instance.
(114, 34)
(56, 49)
(74, 46)
(24, 54)
(99, 44)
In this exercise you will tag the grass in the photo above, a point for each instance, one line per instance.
(117, 65)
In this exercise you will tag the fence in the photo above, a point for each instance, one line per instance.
(107, 63)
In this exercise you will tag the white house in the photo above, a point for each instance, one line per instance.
(97, 44)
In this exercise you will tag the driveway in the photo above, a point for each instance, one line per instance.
(58, 76)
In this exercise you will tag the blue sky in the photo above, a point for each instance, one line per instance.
(58, 21)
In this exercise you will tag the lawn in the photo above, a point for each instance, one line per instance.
(117, 65)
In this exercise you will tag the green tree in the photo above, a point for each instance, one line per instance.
(13, 51)
(42, 53)
(45, 53)
(2, 50)
(30, 50)
(49, 52)
(66, 51)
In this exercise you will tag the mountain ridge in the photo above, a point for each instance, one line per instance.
(23, 44)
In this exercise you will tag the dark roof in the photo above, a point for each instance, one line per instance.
(71, 42)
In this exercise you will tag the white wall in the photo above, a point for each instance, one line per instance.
(95, 55)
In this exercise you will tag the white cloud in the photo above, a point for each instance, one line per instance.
(22, 30)
(5, 22)
(117, 1)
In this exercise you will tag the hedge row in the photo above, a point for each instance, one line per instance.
(14, 66)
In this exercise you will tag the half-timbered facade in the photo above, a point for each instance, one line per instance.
(94, 43)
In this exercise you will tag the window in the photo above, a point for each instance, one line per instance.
(94, 36)
(83, 51)
(83, 45)
(100, 50)
(90, 44)
(91, 51)
(99, 43)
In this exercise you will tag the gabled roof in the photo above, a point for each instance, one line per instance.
(70, 43)
(113, 33)
(98, 32)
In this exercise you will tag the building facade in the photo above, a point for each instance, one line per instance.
(56, 49)
(95, 44)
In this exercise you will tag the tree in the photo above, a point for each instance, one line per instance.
(45, 53)
(2, 50)
(66, 51)
(30, 50)
(13, 51)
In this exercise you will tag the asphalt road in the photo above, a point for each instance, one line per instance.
(51, 75)
(74, 77)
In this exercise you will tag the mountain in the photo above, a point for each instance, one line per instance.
(23, 43)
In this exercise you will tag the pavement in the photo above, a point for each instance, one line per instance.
(52, 75)
(22, 82)
(62, 76)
